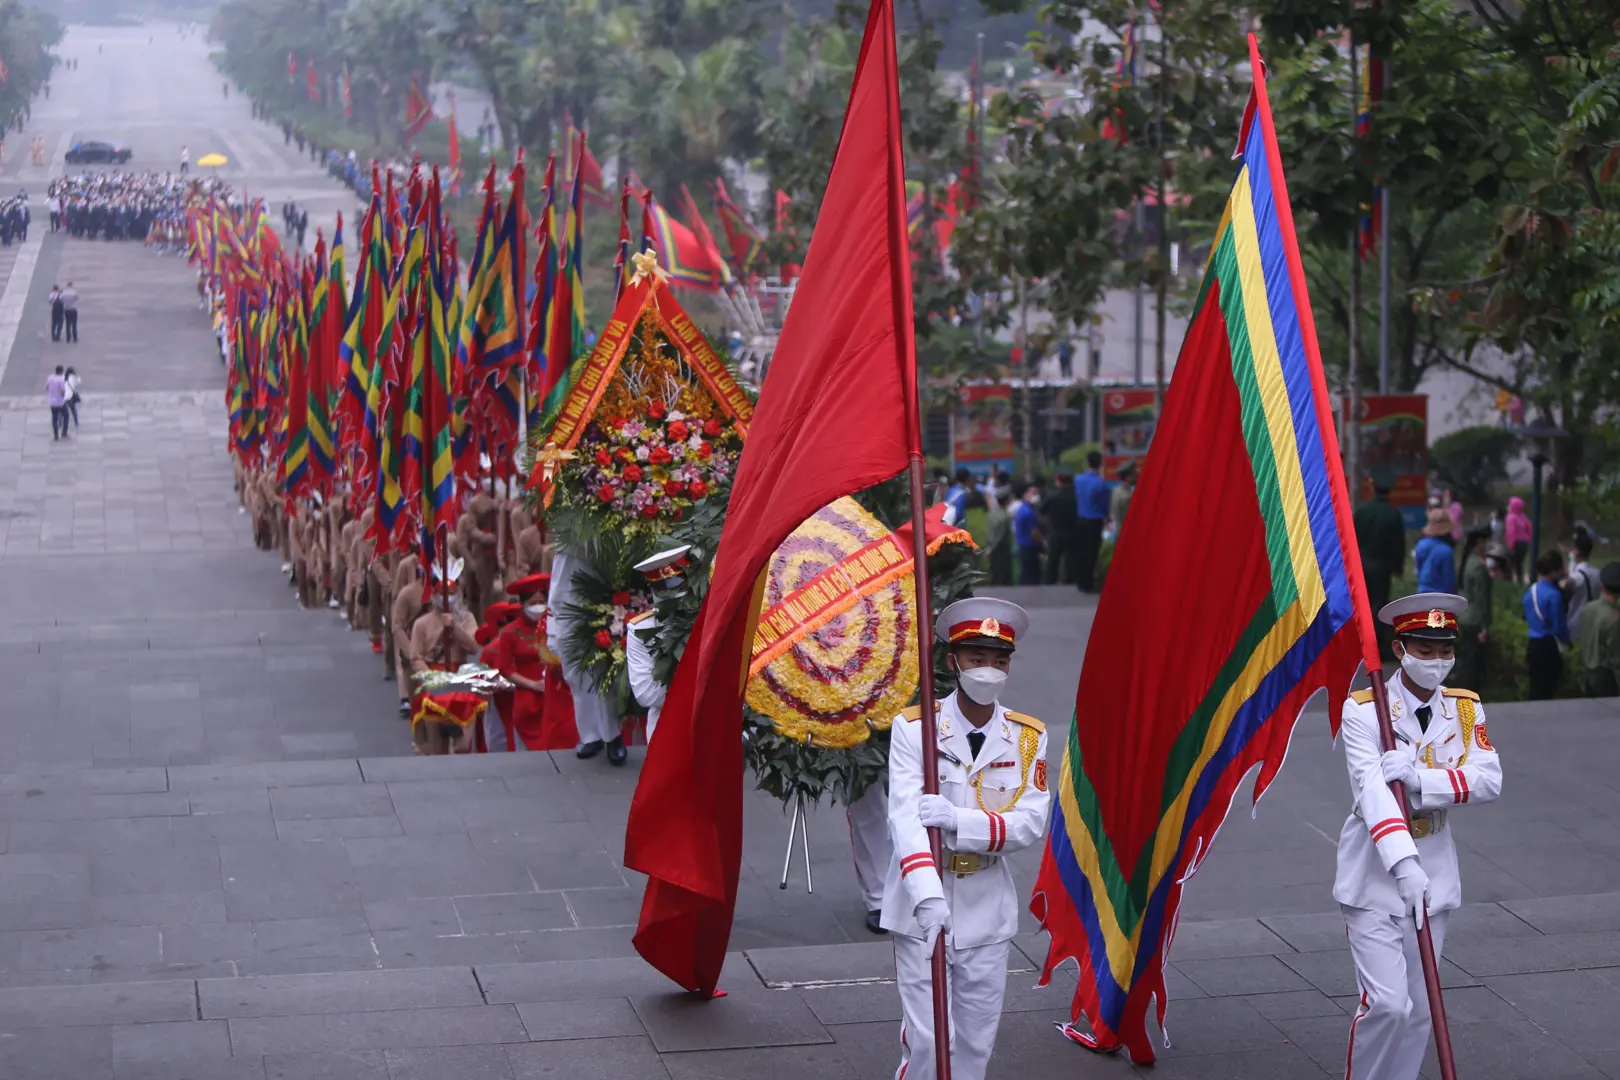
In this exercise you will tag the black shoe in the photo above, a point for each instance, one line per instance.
(874, 922)
(405, 709)
(617, 754)
(589, 750)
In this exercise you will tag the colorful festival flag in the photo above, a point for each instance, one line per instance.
(845, 362)
(680, 252)
(1166, 725)
(742, 235)
(418, 110)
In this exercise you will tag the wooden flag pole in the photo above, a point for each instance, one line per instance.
(1431, 963)
(930, 746)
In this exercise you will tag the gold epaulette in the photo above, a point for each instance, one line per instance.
(1362, 697)
(632, 620)
(914, 712)
(1025, 719)
(1460, 692)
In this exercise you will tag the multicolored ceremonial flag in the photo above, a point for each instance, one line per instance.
(743, 236)
(418, 110)
(705, 238)
(680, 252)
(580, 163)
(1186, 688)
(455, 151)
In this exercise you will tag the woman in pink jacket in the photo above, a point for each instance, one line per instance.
(1516, 535)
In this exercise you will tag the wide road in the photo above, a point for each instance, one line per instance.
(217, 859)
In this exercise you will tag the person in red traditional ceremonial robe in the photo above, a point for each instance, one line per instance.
(1392, 877)
(541, 713)
(992, 800)
(497, 723)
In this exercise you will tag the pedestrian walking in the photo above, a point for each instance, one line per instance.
(1549, 630)
(1516, 532)
(992, 801)
(70, 312)
(56, 394)
(1582, 586)
(1391, 877)
(1061, 516)
(57, 313)
(1435, 557)
(1474, 621)
(1027, 535)
(1600, 637)
(1091, 497)
(998, 539)
(72, 404)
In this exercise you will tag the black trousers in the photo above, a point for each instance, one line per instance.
(1546, 665)
(1029, 564)
(57, 318)
(1602, 683)
(1088, 544)
(72, 318)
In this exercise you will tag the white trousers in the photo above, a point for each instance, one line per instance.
(593, 717)
(870, 843)
(1390, 1032)
(978, 983)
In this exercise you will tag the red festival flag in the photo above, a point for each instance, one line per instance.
(312, 83)
(845, 362)
(348, 94)
(455, 151)
(418, 110)
(1168, 725)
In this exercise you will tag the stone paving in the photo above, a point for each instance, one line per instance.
(218, 861)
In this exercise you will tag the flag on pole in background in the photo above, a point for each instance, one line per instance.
(418, 110)
(348, 93)
(455, 150)
(680, 252)
(312, 84)
(578, 161)
(1166, 725)
(621, 261)
(705, 238)
(744, 238)
(845, 362)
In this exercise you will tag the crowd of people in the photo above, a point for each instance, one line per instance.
(1044, 532)
(146, 206)
(1569, 605)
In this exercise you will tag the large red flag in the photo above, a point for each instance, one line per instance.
(845, 363)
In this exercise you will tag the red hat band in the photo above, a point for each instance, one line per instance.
(981, 628)
(1433, 619)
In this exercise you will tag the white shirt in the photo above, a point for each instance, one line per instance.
(638, 664)
(1456, 766)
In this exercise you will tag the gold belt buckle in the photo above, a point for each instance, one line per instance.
(1422, 825)
(963, 863)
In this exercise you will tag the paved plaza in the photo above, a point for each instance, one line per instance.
(219, 861)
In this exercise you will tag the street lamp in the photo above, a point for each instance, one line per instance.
(1540, 435)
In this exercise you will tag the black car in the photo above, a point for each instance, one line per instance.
(90, 151)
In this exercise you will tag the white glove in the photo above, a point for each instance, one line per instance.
(1398, 765)
(1413, 884)
(934, 916)
(937, 812)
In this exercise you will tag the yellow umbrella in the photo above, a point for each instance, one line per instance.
(212, 159)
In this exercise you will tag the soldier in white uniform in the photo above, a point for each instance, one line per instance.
(1391, 877)
(666, 574)
(593, 713)
(992, 800)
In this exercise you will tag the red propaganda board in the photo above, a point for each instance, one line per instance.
(1128, 420)
(982, 431)
(1395, 440)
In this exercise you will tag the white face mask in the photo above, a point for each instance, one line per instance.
(534, 611)
(1425, 673)
(982, 684)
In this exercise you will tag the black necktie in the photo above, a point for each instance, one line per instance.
(1423, 712)
(976, 741)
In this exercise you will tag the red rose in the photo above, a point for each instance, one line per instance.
(605, 493)
(649, 511)
(632, 474)
(705, 451)
(673, 487)
(678, 431)
(659, 456)
(697, 489)
(626, 455)
(604, 639)
(621, 599)
(603, 458)
(656, 410)
(711, 428)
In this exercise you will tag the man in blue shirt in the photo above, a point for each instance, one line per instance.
(1091, 495)
(1549, 630)
(1027, 536)
(957, 497)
